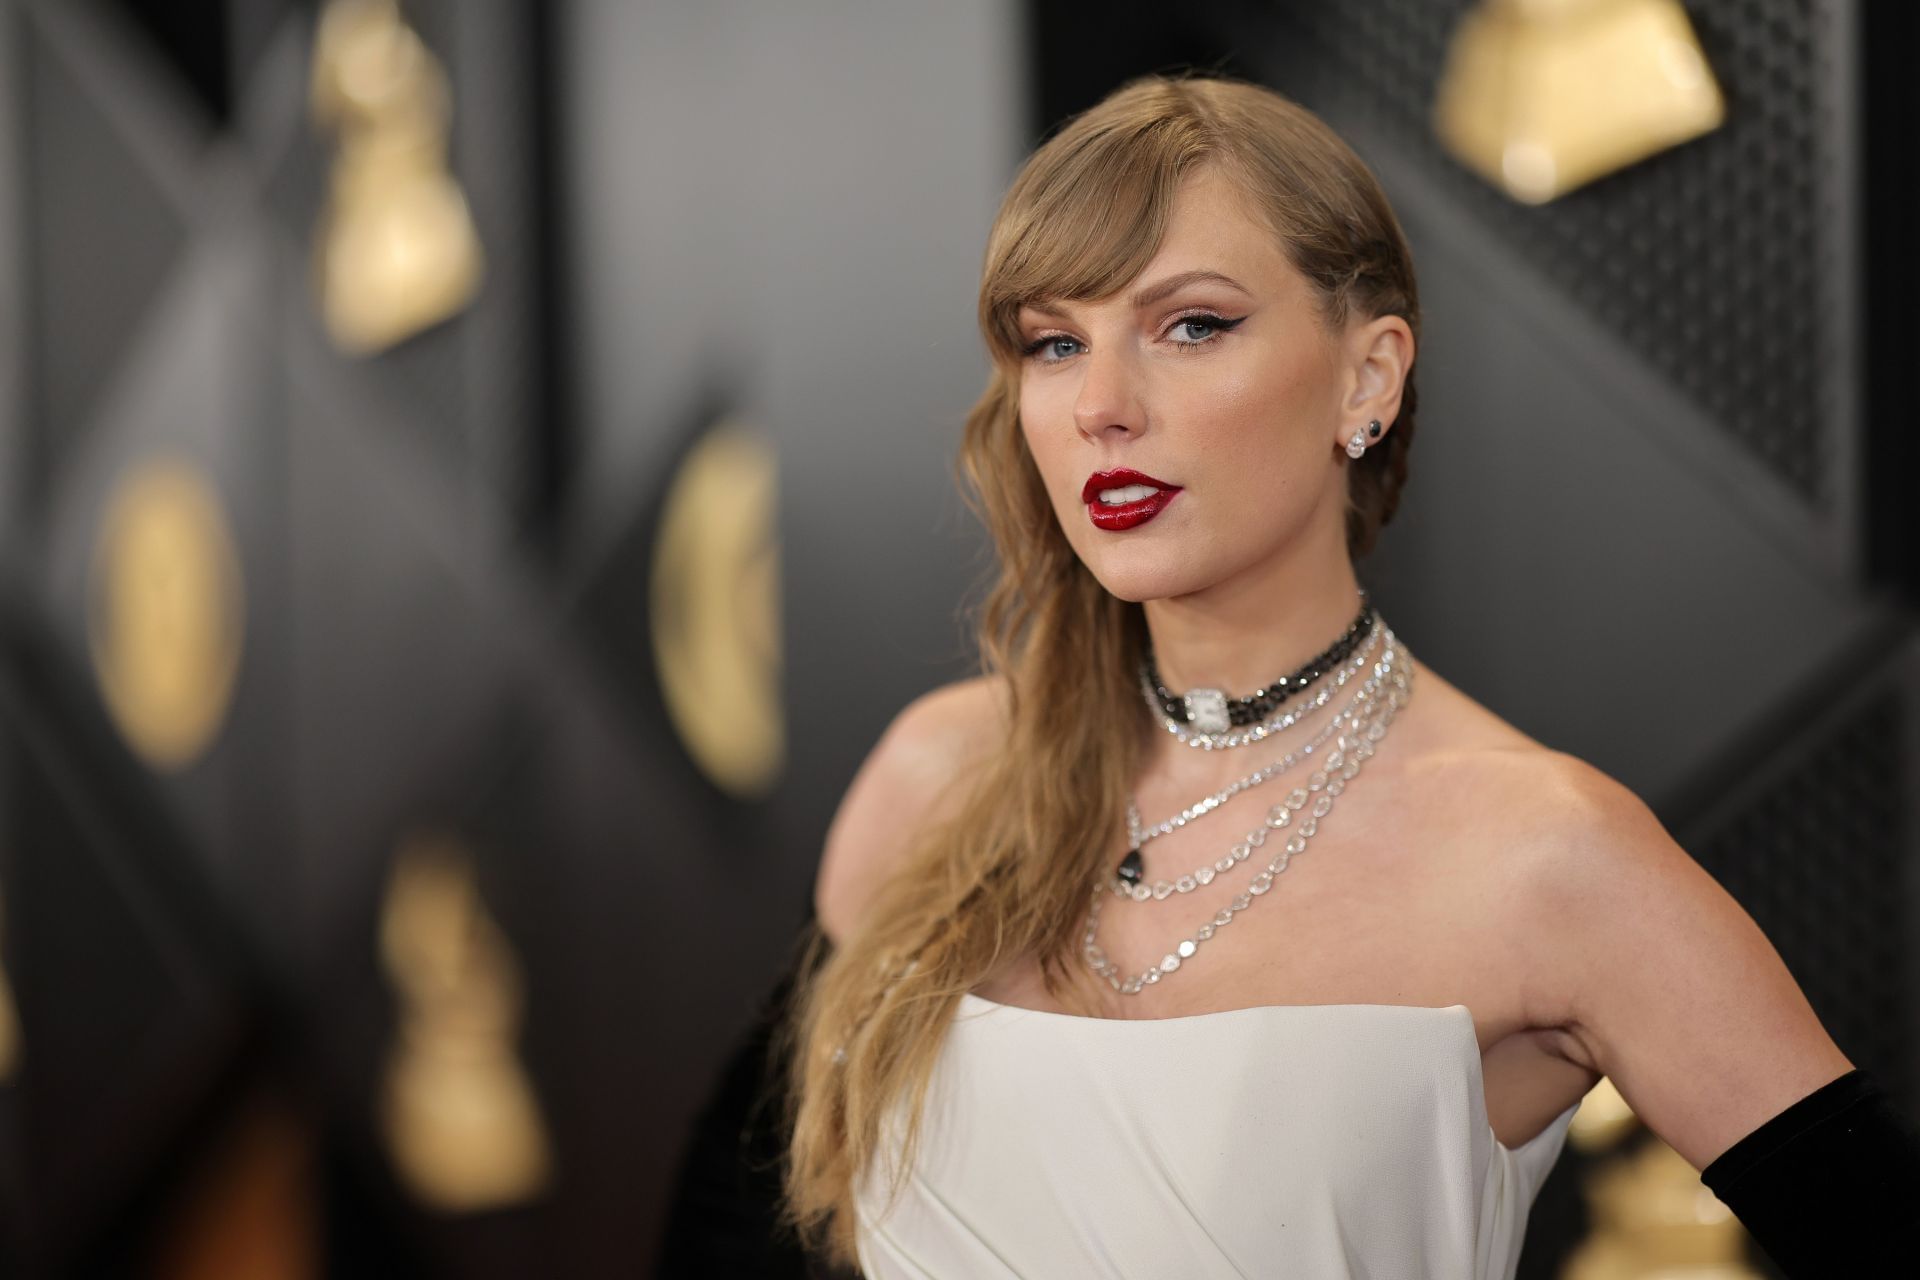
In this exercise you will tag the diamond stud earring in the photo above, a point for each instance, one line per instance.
(1357, 443)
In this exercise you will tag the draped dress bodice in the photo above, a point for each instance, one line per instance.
(1324, 1141)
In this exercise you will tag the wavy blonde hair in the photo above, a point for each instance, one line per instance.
(1008, 875)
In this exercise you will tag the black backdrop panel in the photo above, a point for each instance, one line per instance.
(104, 234)
(1816, 830)
(134, 995)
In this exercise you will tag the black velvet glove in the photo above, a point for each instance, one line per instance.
(1831, 1185)
(723, 1221)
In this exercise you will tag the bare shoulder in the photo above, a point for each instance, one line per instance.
(1648, 970)
(1655, 976)
(907, 781)
(1464, 768)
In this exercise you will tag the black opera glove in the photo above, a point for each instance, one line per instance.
(724, 1216)
(1831, 1185)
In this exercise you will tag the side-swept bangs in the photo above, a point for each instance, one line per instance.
(1085, 217)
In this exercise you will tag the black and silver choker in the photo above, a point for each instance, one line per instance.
(1212, 711)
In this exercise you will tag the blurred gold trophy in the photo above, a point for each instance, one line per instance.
(714, 600)
(395, 251)
(165, 616)
(1542, 96)
(1652, 1217)
(460, 1118)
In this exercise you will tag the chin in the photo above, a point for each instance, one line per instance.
(1136, 578)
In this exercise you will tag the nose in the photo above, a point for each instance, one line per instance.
(1108, 404)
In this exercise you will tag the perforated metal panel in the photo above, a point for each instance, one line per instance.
(1708, 260)
(1819, 849)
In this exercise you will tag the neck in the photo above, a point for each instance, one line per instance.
(1247, 632)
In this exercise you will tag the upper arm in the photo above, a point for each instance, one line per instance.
(1671, 989)
(906, 782)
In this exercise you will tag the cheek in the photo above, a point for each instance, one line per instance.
(1044, 441)
(1255, 417)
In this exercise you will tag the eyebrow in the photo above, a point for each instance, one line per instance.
(1153, 293)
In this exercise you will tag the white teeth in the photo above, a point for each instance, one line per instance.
(1132, 493)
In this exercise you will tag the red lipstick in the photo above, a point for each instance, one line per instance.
(1128, 514)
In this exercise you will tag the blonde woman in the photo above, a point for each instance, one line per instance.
(1074, 1010)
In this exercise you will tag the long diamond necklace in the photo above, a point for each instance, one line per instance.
(1134, 885)
(1131, 869)
(1356, 747)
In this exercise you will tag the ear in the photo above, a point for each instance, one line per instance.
(1379, 355)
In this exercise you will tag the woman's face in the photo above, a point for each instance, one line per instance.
(1213, 380)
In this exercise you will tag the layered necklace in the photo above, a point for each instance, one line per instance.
(1339, 749)
(1130, 871)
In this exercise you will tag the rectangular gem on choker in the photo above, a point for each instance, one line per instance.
(1207, 711)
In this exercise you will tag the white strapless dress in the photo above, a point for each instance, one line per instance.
(1318, 1141)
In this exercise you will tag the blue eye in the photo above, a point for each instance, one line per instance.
(1203, 320)
(1038, 345)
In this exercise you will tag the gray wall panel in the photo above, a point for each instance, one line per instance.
(13, 451)
(792, 203)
